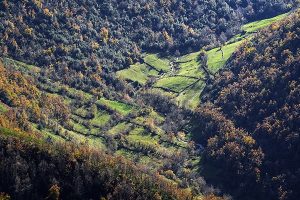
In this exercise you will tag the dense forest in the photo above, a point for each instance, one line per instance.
(249, 121)
(90, 90)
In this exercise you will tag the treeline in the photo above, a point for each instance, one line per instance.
(84, 35)
(249, 123)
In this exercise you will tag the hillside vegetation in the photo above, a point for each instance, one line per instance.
(47, 153)
(113, 33)
(134, 131)
(68, 171)
(249, 123)
(98, 99)
(182, 78)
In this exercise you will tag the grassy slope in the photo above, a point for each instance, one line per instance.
(254, 26)
(101, 119)
(189, 66)
(160, 64)
(176, 84)
(137, 72)
(121, 108)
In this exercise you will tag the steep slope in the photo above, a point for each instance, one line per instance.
(250, 121)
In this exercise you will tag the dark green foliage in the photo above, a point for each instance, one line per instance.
(257, 95)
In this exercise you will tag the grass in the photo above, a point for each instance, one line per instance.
(101, 119)
(138, 72)
(121, 108)
(176, 84)
(82, 112)
(152, 115)
(191, 97)
(77, 127)
(189, 65)
(2, 108)
(149, 161)
(156, 116)
(215, 61)
(121, 127)
(158, 63)
(191, 68)
(95, 142)
(92, 141)
(72, 92)
(161, 91)
(125, 153)
(65, 91)
(138, 135)
(46, 132)
(255, 26)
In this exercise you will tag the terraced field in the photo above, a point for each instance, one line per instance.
(139, 73)
(113, 125)
(182, 78)
(174, 84)
(159, 64)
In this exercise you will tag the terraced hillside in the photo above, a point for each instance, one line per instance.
(183, 78)
(119, 127)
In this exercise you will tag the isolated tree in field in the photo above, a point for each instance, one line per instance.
(203, 59)
(222, 41)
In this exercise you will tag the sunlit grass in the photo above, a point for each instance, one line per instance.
(176, 84)
(257, 25)
(138, 72)
(156, 62)
(216, 61)
(191, 97)
(101, 119)
(119, 107)
(119, 128)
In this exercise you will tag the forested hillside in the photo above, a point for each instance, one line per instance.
(249, 123)
(81, 35)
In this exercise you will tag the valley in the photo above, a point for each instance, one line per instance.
(181, 77)
(139, 110)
